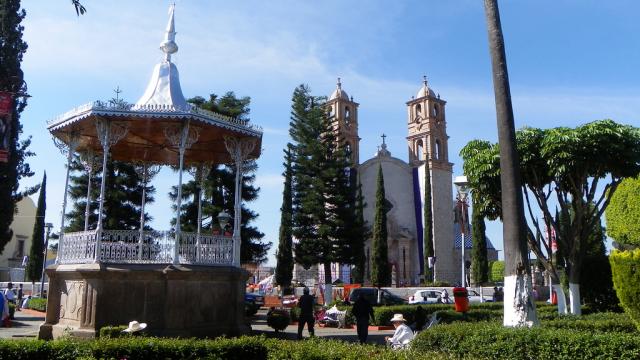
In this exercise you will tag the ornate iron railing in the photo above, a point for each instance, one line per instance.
(155, 247)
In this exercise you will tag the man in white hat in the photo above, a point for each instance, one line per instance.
(134, 327)
(403, 334)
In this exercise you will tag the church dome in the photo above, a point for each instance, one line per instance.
(425, 90)
(338, 93)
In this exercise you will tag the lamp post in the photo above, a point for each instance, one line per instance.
(462, 185)
(48, 226)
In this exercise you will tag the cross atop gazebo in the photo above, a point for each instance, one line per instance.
(161, 128)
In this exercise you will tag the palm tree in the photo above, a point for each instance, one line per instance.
(519, 308)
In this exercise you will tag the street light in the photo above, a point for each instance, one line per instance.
(48, 226)
(462, 185)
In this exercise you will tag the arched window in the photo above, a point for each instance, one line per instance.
(347, 116)
(438, 150)
(348, 151)
(436, 110)
(419, 150)
(418, 109)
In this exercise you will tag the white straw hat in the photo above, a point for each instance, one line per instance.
(397, 317)
(135, 326)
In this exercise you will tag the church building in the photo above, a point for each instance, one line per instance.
(404, 181)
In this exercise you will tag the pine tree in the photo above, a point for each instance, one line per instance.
(428, 224)
(284, 266)
(36, 254)
(12, 49)
(380, 270)
(479, 261)
(219, 190)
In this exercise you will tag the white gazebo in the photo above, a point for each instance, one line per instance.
(181, 283)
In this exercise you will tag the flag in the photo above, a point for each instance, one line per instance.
(6, 103)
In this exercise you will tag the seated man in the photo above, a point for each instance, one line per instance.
(403, 334)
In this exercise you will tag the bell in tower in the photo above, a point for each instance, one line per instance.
(343, 112)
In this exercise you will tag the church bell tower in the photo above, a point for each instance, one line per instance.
(429, 151)
(343, 112)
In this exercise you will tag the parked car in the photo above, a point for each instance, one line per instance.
(428, 296)
(253, 302)
(371, 294)
(474, 297)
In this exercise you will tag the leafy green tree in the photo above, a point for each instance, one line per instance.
(380, 270)
(218, 190)
(12, 49)
(623, 213)
(428, 223)
(576, 170)
(284, 257)
(520, 310)
(36, 253)
(479, 261)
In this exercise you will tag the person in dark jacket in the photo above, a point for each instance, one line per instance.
(305, 303)
(362, 310)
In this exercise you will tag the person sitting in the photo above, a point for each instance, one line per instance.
(25, 302)
(403, 334)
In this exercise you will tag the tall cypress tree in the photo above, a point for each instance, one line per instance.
(479, 261)
(359, 238)
(12, 48)
(428, 224)
(380, 270)
(284, 266)
(36, 254)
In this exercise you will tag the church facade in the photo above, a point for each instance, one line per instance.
(427, 144)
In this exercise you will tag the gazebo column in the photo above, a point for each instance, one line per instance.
(109, 135)
(68, 149)
(88, 161)
(145, 171)
(200, 174)
(239, 149)
(182, 136)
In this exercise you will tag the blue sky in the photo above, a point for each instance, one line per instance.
(570, 62)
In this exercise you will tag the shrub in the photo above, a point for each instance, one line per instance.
(599, 322)
(626, 281)
(245, 348)
(496, 272)
(278, 319)
(623, 213)
(112, 331)
(493, 341)
(38, 304)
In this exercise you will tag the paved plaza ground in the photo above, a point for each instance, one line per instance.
(27, 323)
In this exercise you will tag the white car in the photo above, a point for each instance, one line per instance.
(474, 297)
(428, 297)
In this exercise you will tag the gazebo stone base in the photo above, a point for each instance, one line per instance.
(174, 300)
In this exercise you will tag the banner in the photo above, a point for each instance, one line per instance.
(6, 103)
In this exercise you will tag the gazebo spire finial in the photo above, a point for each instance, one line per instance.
(168, 45)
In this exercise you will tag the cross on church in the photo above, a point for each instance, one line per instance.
(118, 92)
(383, 137)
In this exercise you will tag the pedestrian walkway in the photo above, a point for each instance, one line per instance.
(26, 325)
(259, 327)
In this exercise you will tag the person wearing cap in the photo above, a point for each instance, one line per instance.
(305, 303)
(135, 327)
(403, 334)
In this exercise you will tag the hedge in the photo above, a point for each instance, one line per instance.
(245, 348)
(38, 304)
(626, 281)
(113, 331)
(493, 341)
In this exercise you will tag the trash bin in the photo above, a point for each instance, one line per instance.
(461, 299)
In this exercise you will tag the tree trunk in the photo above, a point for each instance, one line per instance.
(519, 307)
(328, 288)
